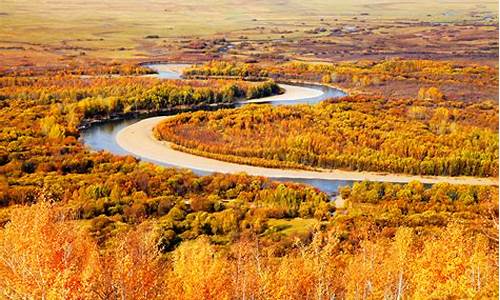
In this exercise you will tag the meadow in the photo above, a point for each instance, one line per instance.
(50, 32)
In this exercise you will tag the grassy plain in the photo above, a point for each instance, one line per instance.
(37, 31)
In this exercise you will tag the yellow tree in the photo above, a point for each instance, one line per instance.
(402, 243)
(133, 268)
(201, 272)
(454, 265)
(43, 257)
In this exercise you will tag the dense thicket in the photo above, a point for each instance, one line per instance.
(393, 78)
(395, 241)
(90, 67)
(77, 224)
(98, 97)
(356, 133)
(356, 72)
(40, 157)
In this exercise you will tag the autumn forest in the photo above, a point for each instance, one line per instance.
(292, 152)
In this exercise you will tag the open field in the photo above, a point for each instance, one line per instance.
(53, 32)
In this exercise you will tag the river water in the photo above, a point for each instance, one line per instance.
(103, 136)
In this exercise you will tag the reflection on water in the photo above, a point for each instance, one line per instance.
(103, 136)
(168, 73)
(327, 186)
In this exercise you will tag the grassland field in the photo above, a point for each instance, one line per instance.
(52, 32)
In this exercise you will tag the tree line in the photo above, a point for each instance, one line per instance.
(355, 133)
(391, 78)
(98, 97)
(360, 72)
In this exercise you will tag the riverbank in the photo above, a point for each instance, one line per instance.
(174, 71)
(87, 123)
(292, 93)
(138, 139)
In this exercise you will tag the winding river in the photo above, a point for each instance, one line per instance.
(134, 137)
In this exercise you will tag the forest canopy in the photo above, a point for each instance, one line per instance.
(76, 223)
(356, 133)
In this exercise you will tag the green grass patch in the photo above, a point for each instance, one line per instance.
(290, 226)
